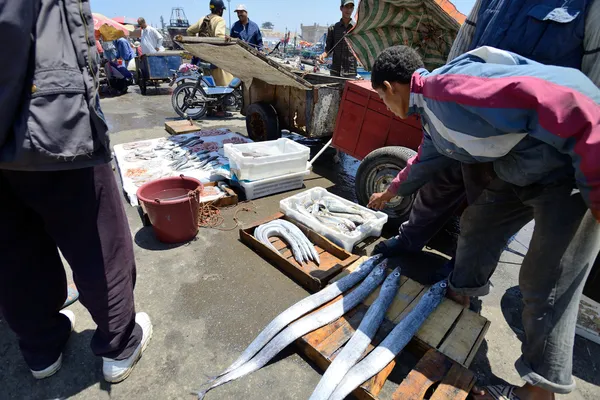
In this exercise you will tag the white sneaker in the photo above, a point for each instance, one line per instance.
(51, 370)
(116, 371)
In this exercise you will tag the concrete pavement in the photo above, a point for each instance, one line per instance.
(209, 298)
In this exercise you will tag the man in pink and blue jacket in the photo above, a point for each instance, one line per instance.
(539, 127)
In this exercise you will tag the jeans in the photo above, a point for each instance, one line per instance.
(81, 213)
(564, 245)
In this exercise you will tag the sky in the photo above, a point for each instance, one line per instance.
(288, 16)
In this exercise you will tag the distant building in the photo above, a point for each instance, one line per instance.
(312, 33)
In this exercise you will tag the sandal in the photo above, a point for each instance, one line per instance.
(500, 392)
(72, 296)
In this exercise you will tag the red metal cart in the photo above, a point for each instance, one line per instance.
(367, 130)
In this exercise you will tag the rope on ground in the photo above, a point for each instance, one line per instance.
(209, 216)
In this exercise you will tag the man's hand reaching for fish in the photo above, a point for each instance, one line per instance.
(379, 200)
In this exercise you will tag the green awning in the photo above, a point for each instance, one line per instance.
(429, 26)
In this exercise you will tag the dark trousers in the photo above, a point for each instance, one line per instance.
(79, 212)
(564, 245)
(435, 203)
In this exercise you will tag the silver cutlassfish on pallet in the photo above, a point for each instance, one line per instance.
(361, 339)
(303, 307)
(394, 342)
(303, 326)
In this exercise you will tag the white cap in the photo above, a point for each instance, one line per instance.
(241, 7)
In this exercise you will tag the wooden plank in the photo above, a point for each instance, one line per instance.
(459, 344)
(456, 385)
(181, 127)
(278, 243)
(406, 295)
(430, 369)
(439, 323)
(477, 344)
(410, 307)
(342, 335)
(316, 337)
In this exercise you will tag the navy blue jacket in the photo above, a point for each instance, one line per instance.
(249, 34)
(547, 31)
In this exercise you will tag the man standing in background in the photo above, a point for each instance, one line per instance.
(213, 25)
(151, 38)
(344, 63)
(246, 30)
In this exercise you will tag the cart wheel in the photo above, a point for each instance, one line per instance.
(143, 87)
(375, 174)
(262, 122)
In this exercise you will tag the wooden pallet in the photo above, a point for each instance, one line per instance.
(452, 330)
(181, 127)
(311, 276)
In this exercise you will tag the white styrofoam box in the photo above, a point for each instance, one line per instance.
(371, 227)
(281, 157)
(588, 320)
(269, 186)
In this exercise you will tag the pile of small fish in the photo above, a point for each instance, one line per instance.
(334, 214)
(302, 248)
(346, 373)
(184, 154)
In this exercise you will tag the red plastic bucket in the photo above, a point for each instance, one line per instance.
(172, 207)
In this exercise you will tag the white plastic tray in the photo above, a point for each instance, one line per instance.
(267, 187)
(280, 157)
(372, 227)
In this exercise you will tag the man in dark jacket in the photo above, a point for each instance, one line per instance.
(568, 37)
(58, 191)
(344, 63)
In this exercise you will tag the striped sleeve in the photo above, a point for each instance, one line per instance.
(463, 40)
(591, 43)
(419, 169)
(557, 115)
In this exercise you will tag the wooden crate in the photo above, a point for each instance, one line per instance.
(311, 276)
(455, 381)
(181, 127)
(452, 330)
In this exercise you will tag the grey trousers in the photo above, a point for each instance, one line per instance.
(565, 243)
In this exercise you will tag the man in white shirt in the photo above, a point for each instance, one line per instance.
(151, 38)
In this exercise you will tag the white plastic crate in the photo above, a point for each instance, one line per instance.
(267, 187)
(262, 160)
(371, 227)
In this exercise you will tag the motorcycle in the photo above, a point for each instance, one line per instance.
(195, 93)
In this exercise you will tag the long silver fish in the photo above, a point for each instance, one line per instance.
(302, 239)
(302, 307)
(336, 206)
(361, 339)
(303, 326)
(263, 232)
(397, 339)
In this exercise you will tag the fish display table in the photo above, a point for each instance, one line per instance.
(447, 343)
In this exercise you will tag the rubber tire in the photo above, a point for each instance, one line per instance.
(394, 155)
(262, 122)
(179, 88)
